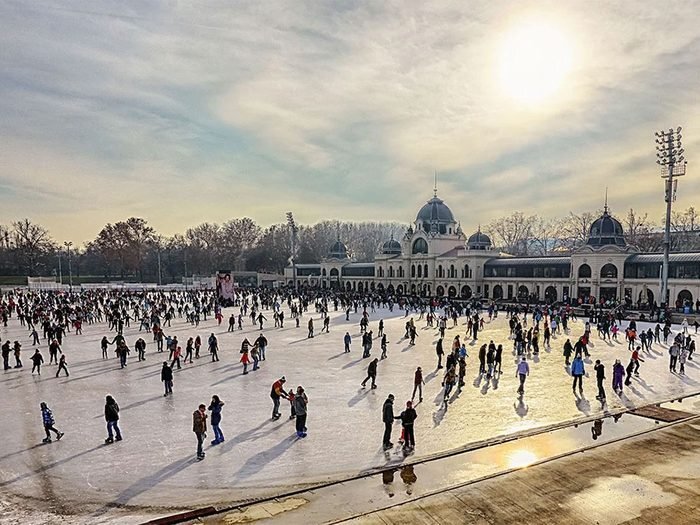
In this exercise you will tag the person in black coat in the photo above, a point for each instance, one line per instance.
(166, 376)
(388, 420)
(112, 417)
(407, 418)
(371, 373)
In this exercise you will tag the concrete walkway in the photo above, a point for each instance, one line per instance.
(651, 479)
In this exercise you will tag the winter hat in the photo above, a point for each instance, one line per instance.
(283, 378)
(409, 404)
(390, 396)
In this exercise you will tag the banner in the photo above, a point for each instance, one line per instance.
(224, 287)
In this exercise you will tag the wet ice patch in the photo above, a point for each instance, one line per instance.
(263, 511)
(631, 494)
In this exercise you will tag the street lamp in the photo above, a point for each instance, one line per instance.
(669, 155)
(294, 230)
(68, 244)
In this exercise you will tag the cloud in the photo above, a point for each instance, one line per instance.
(185, 113)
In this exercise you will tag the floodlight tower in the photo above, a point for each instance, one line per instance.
(293, 232)
(669, 155)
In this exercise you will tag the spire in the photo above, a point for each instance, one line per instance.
(605, 208)
(435, 185)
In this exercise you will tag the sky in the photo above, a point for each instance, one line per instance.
(186, 112)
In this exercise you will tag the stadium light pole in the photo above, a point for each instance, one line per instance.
(669, 155)
(293, 229)
(68, 245)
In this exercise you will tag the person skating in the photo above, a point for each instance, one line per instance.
(166, 376)
(440, 352)
(347, 340)
(215, 408)
(600, 377)
(62, 365)
(371, 373)
(577, 371)
(522, 372)
(408, 417)
(276, 392)
(448, 382)
(673, 353)
(112, 418)
(213, 347)
(37, 360)
(618, 374)
(388, 420)
(103, 345)
(245, 359)
(682, 357)
(6, 355)
(568, 350)
(301, 403)
(199, 427)
(17, 349)
(261, 343)
(418, 383)
(49, 422)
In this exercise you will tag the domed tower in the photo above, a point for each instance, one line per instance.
(338, 250)
(479, 241)
(606, 231)
(435, 218)
(391, 247)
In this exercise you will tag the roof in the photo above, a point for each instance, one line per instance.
(453, 252)
(307, 265)
(683, 257)
(435, 210)
(522, 261)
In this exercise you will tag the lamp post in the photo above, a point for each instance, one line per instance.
(669, 155)
(294, 230)
(68, 245)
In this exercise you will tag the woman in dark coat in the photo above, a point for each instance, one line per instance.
(215, 408)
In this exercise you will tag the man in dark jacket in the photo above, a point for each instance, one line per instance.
(407, 418)
(388, 419)
(166, 376)
(440, 352)
(371, 373)
(600, 376)
(199, 427)
(112, 417)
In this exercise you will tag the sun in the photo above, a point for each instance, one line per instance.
(536, 57)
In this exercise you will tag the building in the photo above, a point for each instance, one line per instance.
(435, 259)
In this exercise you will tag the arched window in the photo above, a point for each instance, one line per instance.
(439, 271)
(466, 271)
(334, 272)
(413, 270)
(425, 270)
(453, 273)
(391, 271)
(609, 271)
(420, 270)
(584, 271)
(381, 272)
(420, 246)
(323, 272)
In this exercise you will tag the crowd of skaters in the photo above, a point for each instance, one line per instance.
(60, 315)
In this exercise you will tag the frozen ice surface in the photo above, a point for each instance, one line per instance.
(154, 468)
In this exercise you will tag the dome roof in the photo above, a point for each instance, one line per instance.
(479, 241)
(391, 247)
(606, 231)
(338, 251)
(435, 210)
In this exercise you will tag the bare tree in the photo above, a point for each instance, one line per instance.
(576, 228)
(513, 232)
(546, 235)
(685, 230)
(32, 241)
(640, 232)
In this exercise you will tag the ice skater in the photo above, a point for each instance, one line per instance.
(112, 418)
(600, 377)
(49, 422)
(215, 408)
(408, 417)
(199, 427)
(371, 373)
(166, 376)
(276, 393)
(522, 372)
(577, 371)
(62, 365)
(300, 408)
(388, 420)
(37, 360)
(418, 383)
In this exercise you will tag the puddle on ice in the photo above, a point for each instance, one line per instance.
(631, 495)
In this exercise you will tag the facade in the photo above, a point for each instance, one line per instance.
(435, 259)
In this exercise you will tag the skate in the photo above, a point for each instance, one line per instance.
(59, 436)
(374, 386)
(118, 438)
(200, 458)
(46, 440)
(108, 441)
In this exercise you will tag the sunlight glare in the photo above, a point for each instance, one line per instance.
(535, 59)
(521, 458)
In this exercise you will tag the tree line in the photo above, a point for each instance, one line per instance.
(131, 249)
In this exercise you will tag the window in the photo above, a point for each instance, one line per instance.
(420, 246)
(413, 270)
(609, 271)
(584, 271)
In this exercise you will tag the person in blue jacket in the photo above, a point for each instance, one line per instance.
(49, 422)
(578, 370)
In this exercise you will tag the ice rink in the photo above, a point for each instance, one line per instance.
(154, 469)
